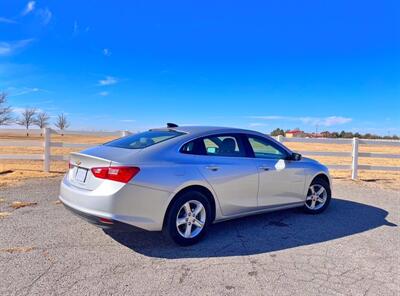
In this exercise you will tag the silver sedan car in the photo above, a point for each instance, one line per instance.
(182, 179)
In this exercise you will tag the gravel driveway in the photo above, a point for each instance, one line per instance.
(353, 248)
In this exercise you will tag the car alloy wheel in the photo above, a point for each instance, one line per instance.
(191, 219)
(316, 197)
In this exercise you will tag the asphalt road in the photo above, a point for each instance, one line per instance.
(351, 249)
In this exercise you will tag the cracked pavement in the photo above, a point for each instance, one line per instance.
(351, 249)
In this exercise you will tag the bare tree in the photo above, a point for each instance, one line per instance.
(27, 119)
(5, 111)
(42, 121)
(62, 123)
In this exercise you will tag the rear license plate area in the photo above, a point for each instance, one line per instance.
(81, 175)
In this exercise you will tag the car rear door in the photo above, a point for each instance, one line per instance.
(233, 176)
(281, 181)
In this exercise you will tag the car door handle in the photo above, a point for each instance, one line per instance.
(213, 168)
(264, 168)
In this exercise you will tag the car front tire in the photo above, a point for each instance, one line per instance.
(188, 218)
(318, 196)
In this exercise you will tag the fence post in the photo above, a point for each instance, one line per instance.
(125, 133)
(46, 150)
(280, 138)
(354, 163)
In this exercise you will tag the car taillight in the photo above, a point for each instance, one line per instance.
(119, 174)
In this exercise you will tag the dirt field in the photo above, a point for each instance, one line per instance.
(12, 171)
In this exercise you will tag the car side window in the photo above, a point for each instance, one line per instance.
(263, 148)
(194, 147)
(218, 145)
(188, 148)
(224, 145)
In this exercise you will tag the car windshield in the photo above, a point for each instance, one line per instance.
(145, 139)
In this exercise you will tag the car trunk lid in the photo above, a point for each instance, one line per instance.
(81, 163)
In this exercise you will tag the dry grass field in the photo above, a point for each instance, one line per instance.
(13, 171)
(385, 179)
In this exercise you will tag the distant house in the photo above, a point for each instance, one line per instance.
(294, 134)
(325, 134)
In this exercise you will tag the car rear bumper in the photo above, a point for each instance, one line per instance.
(134, 205)
(101, 222)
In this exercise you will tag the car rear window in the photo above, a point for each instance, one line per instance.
(143, 140)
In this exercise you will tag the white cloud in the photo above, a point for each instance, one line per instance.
(19, 110)
(109, 80)
(256, 124)
(7, 21)
(102, 116)
(269, 117)
(30, 6)
(76, 28)
(104, 93)
(14, 92)
(7, 48)
(326, 121)
(321, 121)
(45, 15)
(127, 120)
(106, 52)
(337, 120)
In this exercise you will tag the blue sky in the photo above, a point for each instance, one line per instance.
(254, 64)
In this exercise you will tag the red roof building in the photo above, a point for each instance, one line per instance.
(294, 133)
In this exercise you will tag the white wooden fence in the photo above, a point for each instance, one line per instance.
(354, 154)
(47, 144)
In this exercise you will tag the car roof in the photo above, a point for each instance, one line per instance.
(191, 132)
(194, 130)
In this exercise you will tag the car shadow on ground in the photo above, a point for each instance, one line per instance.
(263, 233)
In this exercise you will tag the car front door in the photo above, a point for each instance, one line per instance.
(223, 162)
(281, 181)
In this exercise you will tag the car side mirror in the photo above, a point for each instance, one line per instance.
(295, 156)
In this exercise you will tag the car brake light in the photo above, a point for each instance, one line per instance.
(119, 174)
(106, 221)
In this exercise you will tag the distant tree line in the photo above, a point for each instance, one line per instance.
(277, 132)
(29, 117)
(342, 134)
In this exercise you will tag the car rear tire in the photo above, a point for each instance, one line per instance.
(318, 196)
(188, 218)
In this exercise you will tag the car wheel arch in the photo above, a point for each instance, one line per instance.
(322, 176)
(199, 188)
